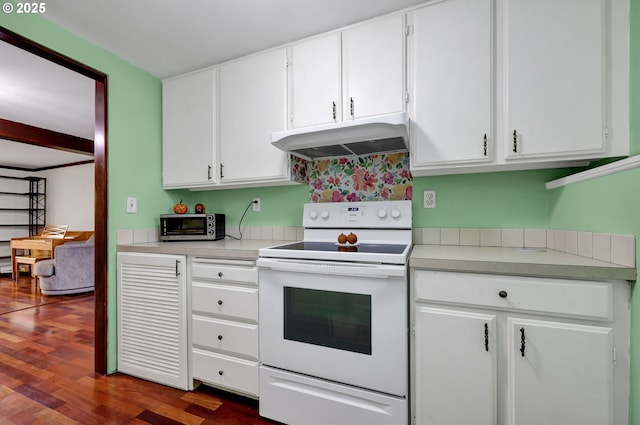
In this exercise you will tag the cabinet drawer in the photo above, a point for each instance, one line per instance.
(227, 271)
(241, 338)
(552, 296)
(232, 373)
(227, 300)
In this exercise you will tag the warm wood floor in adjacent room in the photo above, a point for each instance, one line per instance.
(46, 372)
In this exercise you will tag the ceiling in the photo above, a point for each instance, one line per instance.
(40, 93)
(162, 37)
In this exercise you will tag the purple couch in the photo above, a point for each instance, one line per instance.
(70, 272)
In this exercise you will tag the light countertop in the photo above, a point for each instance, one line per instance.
(245, 249)
(496, 260)
(516, 261)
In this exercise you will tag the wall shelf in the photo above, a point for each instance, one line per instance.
(604, 170)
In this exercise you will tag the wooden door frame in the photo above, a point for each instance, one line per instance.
(100, 163)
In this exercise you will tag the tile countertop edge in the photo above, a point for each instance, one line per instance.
(232, 249)
(510, 261)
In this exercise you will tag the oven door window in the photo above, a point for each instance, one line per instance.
(330, 319)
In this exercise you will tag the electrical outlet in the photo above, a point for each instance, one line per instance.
(256, 204)
(132, 205)
(429, 198)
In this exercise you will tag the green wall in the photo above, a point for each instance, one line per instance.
(506, 199)
(509, 199)
(134, 138)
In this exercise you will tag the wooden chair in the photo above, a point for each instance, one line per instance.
(54, 231)
(51, 231)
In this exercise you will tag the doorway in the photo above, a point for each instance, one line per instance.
(21, 133)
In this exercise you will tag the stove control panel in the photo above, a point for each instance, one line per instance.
(382, 214)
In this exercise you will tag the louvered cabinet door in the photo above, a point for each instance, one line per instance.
(152, 326)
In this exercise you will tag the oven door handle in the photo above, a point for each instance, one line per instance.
(380, 271)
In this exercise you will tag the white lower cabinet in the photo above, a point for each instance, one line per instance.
(152, 318)
(224, 324)
(490, 349)
(468, 357)
(559, 373)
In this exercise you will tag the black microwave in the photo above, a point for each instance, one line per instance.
(191, 227)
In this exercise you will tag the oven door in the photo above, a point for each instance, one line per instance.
(343, 322)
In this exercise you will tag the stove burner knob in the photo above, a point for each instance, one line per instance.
(313, 215)
(395, 213)
(324, 214)
(382, 213)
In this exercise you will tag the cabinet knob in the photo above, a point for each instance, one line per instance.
(503, 294)
(220, 372)
(219, 302)
(219, 337)
(219, 274)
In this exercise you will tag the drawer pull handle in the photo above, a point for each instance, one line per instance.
(522, 341)
(219, 337)
(486, 337)
(220, 372)
(219, 302)
(503, 294)
(219, 274)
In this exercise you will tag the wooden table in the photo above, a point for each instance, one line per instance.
(38, 243)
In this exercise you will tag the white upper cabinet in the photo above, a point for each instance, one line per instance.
(315, 81)
(188, 130)
(356, 73)
(554, 78)
(252, 106)
(373, 68)
(450, 63)
(545, 80)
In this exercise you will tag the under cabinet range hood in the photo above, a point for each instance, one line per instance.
(387, 133)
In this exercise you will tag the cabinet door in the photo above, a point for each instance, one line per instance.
(252, 106)
(152, 324)
(373, 68)
(451, 79)
(554, 77)
(559, 373)
(188, 130)
(455, 359)
(314, 72)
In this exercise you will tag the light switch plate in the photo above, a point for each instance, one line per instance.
(132, 205)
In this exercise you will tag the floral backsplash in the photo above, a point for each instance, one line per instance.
(379, 177)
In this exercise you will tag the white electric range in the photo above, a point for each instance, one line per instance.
(334, 318)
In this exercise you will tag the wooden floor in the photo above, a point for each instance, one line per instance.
(46, 372)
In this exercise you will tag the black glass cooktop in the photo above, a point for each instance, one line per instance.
(334, 247)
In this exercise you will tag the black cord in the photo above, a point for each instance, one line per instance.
(240, 223)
